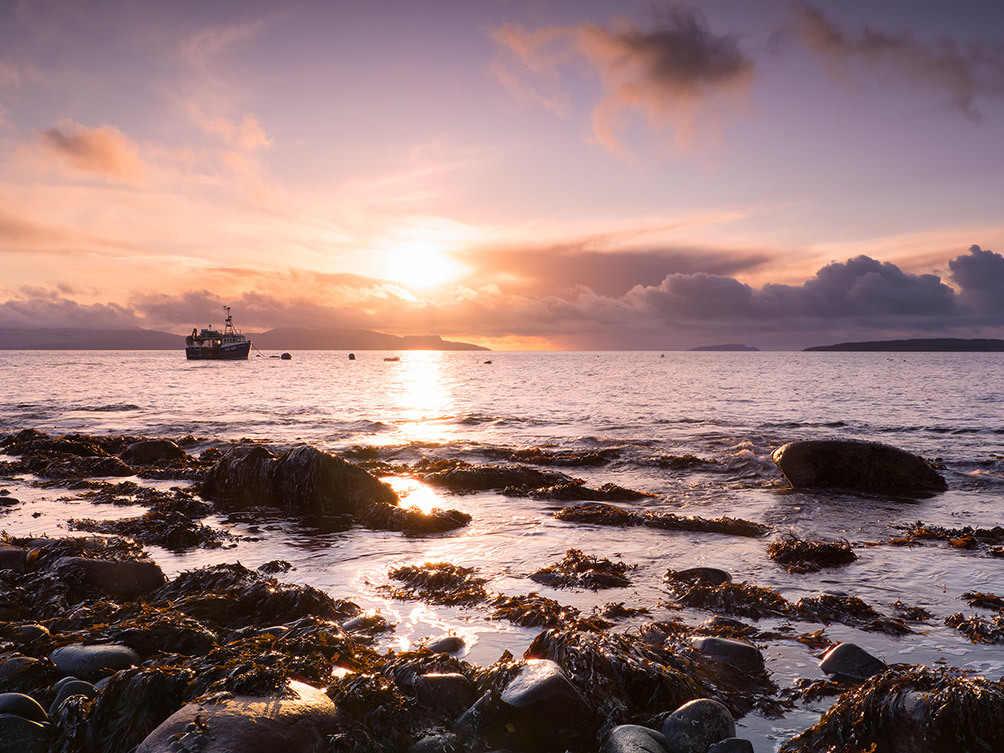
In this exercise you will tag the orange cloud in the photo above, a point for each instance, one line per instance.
(104, 150)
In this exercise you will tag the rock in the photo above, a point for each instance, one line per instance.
(30, 632)
(150, 451)
(303, 480)
(245, 724)
(847, 661)
(477, 478)
(123, 580)
(71, 686)
(94, 661)
(19, 735)
(445, 743)
(697, 725)
(854, 464)
(741, 655)
(539, 709)
(633, 738)
(446, 644)
(23, 706)
(732, 745)
(449, 693)
(706, 576)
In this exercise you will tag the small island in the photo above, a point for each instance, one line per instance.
(919, 345)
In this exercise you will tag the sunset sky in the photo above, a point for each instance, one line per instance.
(516, 173)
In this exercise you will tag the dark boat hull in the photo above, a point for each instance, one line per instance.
(234, 352)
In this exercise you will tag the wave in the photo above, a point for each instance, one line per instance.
(110, 408)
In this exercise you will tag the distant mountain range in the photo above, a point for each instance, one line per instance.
(920, 345)
(291, 338)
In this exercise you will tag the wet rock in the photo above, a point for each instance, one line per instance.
(26, 674)
(847, 661)
(708, 576)
(243, 724)
(12, 557)
(72, 687)
(447, 644)
(741, 655)
(914, 710)
(276, 566)
(475, 478)
(732, 745)
(538, 456)
(854, 464)
(30, 632)
(801, 556)
(539, 709)
(23, 706)
(119, 579)
(444, 743)
(303, 480)
(595, 513)
(578, 570)
(368, 624)
(20, 735)
(633, 738)
(150, 451)
(93, 661)
(446, 693)
(697, 725)
(577, 490)
(411, 520)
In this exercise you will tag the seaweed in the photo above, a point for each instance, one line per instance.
(937, 710)
(743, 599)
(978, 629)
(802, 556)
(439, 583)
(412, 520)
(966, 537)
(912, 614)
(608, 515)
(539, 456)
(162, 526)
(616, 610)
(534, 610)
(986, 600)
(578, 570)
(827, 608)
(576, 489)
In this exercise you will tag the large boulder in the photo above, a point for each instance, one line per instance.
(122, 580)
(302, 480)
(93, 661)
(245, 724)
(477, 478)
(697, 725)
(854, 464)
(149, 451)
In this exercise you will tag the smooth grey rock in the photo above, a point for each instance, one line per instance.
(732, 745)
(633, 738)
(737, 653)
(20, 735)
(447, 644)
(73, 686)
(449, 693)
(445, 743)
(122, 580)
(149, 451)
(848, 661)
(697, 725)
(243, 724)
(23, 706)
(94, 661)
(302, 480)
(854, 464)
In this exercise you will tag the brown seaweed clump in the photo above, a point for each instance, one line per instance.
(162, 526)
(966, 537)
(986, 600)
(914, 710)
(608, 515)
(978, 629)
(439, 583)
(742, 599)
(579, 570)
(534, 610)
(802, 556)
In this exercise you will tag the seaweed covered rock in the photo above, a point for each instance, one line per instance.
(914, 710)
(150, 451)
(476, 478)
(597, 513)
(743, 656)
(579, 570)
(122, 579)
(92, 662)
(240, 724)
(633, 738)
(20, 735)
(303, 480)
(697, 725)
(801, 556)
(439, 583)
(855, 464)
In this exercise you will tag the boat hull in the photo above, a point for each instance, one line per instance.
(234, 352)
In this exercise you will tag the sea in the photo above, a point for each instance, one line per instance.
(726, 408)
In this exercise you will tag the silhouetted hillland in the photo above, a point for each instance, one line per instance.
(920, 345)
(292, 338)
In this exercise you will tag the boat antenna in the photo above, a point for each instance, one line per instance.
(229, 323)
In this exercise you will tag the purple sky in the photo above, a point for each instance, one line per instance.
(522, 174)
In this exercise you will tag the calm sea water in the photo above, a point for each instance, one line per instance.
(734, 408)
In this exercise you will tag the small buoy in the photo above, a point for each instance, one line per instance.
(352, 356)
(487, 361)
(286, 357)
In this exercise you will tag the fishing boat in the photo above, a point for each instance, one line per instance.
(212, 345)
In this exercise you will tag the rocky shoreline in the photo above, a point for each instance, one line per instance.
(101, 652)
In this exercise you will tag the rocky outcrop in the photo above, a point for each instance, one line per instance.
(853, 464)
(247, 724)
(149, 451)
(477, 478)
(303, 480)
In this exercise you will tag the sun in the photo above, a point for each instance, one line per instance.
(421, 264)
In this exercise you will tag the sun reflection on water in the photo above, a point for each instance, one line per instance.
(422, 394)
(414, 493)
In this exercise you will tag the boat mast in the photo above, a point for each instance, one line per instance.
(229, 326)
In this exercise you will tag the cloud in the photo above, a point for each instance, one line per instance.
(204, 46)
(103, 150)
(980, 276)
(669, 71)
(37, 308)
(965, 74)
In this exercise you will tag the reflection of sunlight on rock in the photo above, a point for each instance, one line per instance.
(414, 493)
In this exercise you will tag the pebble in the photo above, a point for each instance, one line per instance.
(848, 661)
(94, 661)
(23, 706)
(20, 735)
(697, 725)
(737, 653)
(633, 738)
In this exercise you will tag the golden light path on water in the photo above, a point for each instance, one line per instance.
(422, 395)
